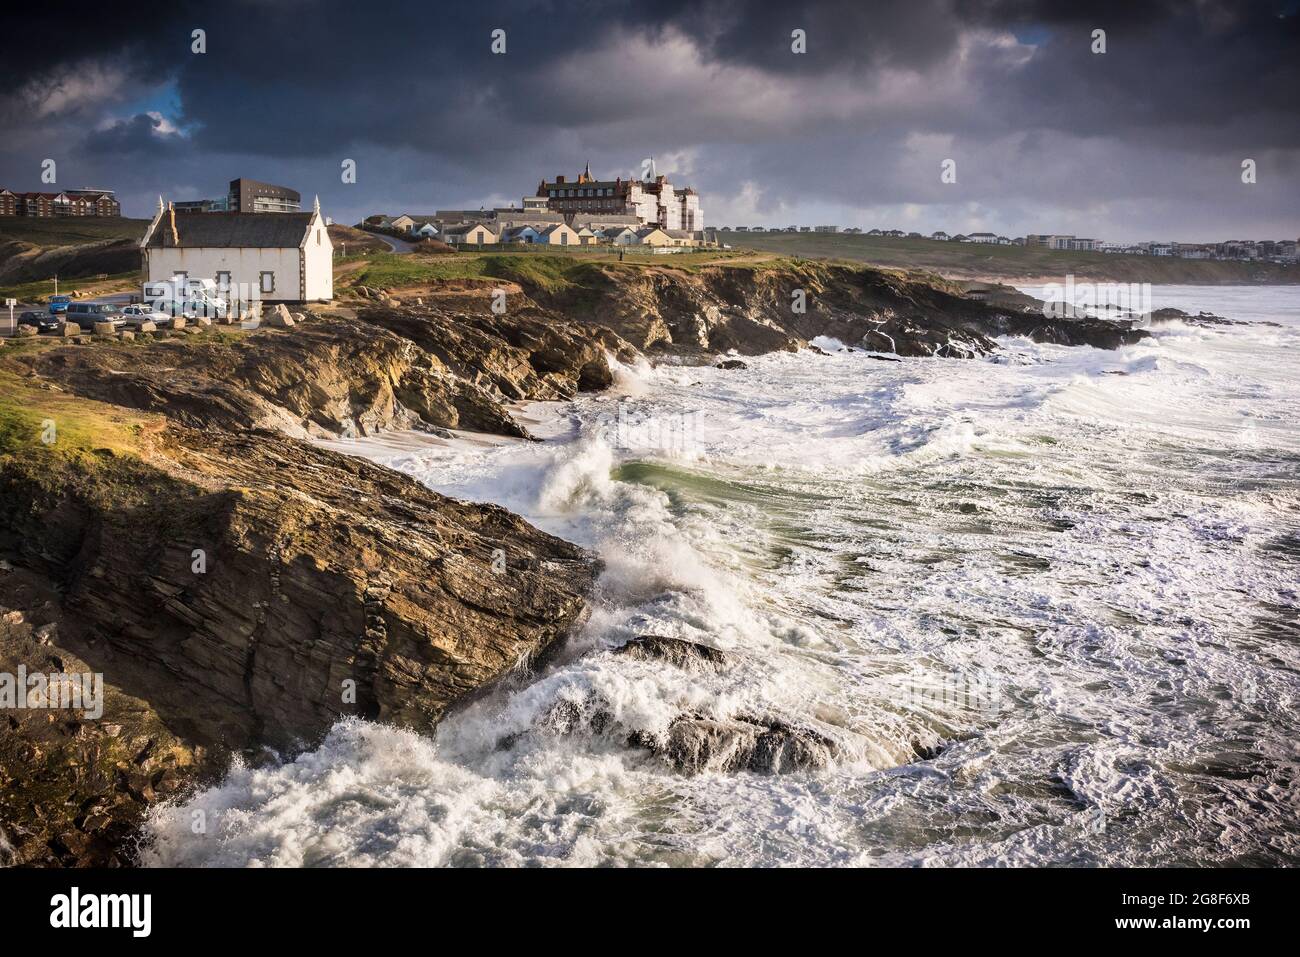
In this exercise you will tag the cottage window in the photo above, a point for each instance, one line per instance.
(268, 282)
(223, 279)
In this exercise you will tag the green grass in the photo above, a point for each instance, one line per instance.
(970, 260)
(80, 426)
(551, 271)
(69, 230)
(44, 288)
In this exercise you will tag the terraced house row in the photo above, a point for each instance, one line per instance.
(71, 202)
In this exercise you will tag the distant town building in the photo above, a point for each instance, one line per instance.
(71, 202)
(654, 200)
(246, 196)
(472, 234)
(559, 234)
(202, 206)
(252, 196)
(524, 235)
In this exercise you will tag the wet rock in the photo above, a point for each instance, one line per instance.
(1200, 319)
(763, 746)
(688, 655)
(731, 364)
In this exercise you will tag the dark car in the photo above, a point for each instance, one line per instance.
(87, 314)
(43, 321)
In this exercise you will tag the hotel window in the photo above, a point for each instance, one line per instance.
(268, 282)
(223, 279)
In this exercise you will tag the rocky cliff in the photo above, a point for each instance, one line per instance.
(240, 587)
(757, 309)
(168, 519)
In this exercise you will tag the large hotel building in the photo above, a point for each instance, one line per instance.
(653, 201)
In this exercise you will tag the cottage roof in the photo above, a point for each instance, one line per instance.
(247, 230)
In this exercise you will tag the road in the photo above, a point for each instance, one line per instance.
(398, 246)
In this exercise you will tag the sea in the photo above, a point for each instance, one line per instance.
(1045, 604)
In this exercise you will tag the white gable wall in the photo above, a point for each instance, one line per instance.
(318, 260)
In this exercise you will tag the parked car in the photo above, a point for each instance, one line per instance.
(43, 321)
(190, 298)
(86, 314)
(138, 314)
(59, 304)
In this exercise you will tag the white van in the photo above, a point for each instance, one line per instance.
(188, 297)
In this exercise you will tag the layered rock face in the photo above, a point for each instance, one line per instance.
(385, 369)
(752, 311)
(240, 588)
(264, 588)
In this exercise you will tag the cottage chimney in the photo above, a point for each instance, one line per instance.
(171, 221)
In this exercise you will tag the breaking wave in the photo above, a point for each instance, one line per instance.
(1036, 609)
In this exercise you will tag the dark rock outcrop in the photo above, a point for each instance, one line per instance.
(314, 569)
(688, 655)
(1170, 314)
(763, 746)
(757, 310)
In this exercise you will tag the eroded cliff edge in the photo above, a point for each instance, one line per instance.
(166, 520)
(241, 587)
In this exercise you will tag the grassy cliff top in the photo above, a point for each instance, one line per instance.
(980, 261)
(553, 271)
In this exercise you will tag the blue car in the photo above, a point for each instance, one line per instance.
(59, 304)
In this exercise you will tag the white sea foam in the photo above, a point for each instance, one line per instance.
(1078, 586)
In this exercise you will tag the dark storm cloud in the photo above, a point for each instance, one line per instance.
(1040, 126)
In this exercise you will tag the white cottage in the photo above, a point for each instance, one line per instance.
(283, 257)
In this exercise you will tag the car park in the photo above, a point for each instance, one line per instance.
(43, 321)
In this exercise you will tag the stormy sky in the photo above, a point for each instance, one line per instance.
(1145, 140)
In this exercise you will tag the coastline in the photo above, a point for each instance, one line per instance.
(237, 449)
